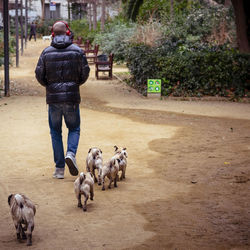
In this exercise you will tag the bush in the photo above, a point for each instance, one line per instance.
(192, 71)
(12, 44)
(80, 28)
(115, 39)
(43, 28)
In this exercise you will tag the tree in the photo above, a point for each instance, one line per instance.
(43, 9)
(133, 7)
(242, 20)
(103, 14)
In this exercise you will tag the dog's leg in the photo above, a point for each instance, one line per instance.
(29, 234)
(115, 180)
(110, 181)
(23, 232)
(17, 226)
(91, 193)
(85, 203)
(79, 201)
(93, 172)
(103, 186)
(123, 172)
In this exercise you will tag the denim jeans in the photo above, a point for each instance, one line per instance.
(71, 114)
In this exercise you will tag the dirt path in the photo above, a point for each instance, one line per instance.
(188, 175)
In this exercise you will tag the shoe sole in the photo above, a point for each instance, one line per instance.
(56, 177)
(72, 168)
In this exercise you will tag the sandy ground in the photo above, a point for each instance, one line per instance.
(188, 174)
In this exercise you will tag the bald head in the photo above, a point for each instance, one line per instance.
(59, 28)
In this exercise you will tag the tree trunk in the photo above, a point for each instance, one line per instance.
(26, 22)
(43, 9)
(17, 34)
(90, 16)
(241, 25)
(94, 14)
(21, 24)
(103, 14)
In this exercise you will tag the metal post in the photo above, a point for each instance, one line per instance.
(6, 47)
(26, 22)
(17, 34)
(21, 23)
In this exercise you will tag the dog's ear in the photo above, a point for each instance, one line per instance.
(90, 150)
(9, 199)
(124, 149)
(101, 151)
(116, 148)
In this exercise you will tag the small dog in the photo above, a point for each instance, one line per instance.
(47, 38)
(84, 185)
(22, 211)
(94, 161)
(122, 155)
(110, 169)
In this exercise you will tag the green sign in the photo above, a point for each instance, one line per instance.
(154, 85)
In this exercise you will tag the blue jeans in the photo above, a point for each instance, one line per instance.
(71, 114)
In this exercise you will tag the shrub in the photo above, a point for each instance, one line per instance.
(115, 39)
(192, 71)
(12, 44)
(81, 29)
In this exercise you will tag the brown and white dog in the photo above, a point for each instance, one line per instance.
(122, 155)
(84, 185)
(22, 212)
(94, 162)
(110, 169)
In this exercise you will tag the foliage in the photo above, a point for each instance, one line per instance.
(44, 27)
(115, 39)
(148, 33)
(12, 44)
(201, 24)
(81, 29)
(191, 70)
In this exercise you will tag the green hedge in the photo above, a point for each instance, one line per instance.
(191, 71)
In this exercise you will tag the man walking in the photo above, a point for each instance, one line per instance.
(62, 68)
(32, 31)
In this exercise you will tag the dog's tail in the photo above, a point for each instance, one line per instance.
(19, 200)
(82, 177)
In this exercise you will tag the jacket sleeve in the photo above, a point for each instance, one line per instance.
(84, 69)
(41, 71)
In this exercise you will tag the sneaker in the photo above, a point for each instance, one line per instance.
(59, 173)
(71, 162)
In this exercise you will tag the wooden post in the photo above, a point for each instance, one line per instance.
(21, 24)
(6, 47)
(26, 22)
(17, 34)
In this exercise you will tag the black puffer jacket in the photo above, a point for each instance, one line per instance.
(62, 68)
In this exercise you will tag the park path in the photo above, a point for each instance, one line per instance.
(187, 184)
